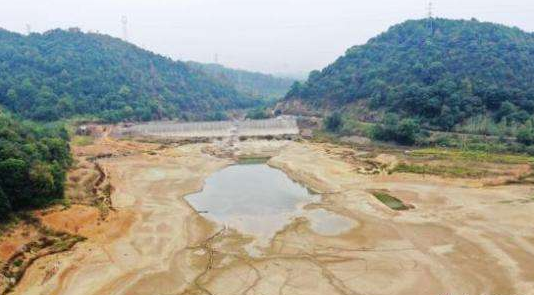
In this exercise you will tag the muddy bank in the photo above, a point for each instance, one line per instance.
(124, 255)
(458, 239)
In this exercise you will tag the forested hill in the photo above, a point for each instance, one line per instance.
(442, 76)
(61, 73)
(259, 85)
(33, 162)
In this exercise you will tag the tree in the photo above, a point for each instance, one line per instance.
(391, 128)
(14, 181)
(295, 90)
(43, 186)
(33, 163)
(333, 123)
(525, 134)
(65, 106)
(407, 131)
(12, 97)
(5, 205)
(217, 116)
(257, 114)
(506, 110)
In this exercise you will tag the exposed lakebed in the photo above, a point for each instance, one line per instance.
(258, 200)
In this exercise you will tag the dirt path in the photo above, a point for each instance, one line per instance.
(459, 239)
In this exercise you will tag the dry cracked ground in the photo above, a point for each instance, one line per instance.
(461, 238)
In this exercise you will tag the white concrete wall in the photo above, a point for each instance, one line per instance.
(278, 126)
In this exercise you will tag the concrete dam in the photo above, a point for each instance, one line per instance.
(280, 126)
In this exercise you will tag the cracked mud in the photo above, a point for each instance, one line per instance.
(460, 239)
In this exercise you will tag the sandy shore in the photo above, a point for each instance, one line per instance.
(459, 239)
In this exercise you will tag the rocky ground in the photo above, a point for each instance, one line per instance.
(461, 237)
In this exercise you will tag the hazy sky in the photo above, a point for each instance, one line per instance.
(276, 36)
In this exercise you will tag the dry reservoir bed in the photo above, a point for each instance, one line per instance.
(458, 238)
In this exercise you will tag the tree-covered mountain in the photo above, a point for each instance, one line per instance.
(60, 74)
(439, 72)
(263, 86)
(33, 162)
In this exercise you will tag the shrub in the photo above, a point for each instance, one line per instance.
(525, 134)
(257, 114)
(403, 131)
(333, 123)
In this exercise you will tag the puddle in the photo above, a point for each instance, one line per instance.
(258, 200)
(254, 199)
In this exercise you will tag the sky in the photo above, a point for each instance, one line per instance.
(289, 37)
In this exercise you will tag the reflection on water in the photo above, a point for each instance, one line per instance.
(259, 200)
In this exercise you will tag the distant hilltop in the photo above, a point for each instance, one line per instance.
(63, 74)
(263, 86)
(440, 72)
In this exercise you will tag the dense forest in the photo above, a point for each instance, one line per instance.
(33, 162)
(439, 73)
(60, 74)
(262, 86)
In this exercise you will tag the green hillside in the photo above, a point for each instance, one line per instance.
(60, 74)
(263, 86)
(440, 77)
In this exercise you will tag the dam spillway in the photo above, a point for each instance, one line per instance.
(280, 126)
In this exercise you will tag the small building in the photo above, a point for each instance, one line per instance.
(82, 130)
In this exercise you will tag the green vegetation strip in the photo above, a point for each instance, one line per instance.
(470, 155)
(252, 160)
(454, 171)
(390, 201)
(82, 140)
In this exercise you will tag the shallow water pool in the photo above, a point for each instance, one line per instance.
(259, 200)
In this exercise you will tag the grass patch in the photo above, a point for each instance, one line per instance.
(454, 171)
(252, 160)
(519, 201)
(390, 201)
(17, 262)
(472, 155)
(80, 140)
(322, 136)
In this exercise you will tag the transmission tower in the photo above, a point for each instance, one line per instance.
(124, 21)
(216, 58)
(431, 17)
(28, 29)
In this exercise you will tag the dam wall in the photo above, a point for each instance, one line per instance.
(279, 126)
